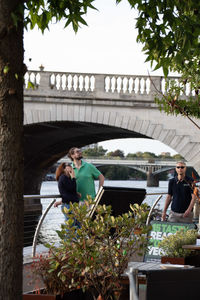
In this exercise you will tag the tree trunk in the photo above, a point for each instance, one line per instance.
(11, 153)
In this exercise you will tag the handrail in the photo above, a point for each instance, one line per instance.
(39, 226)
(41, 196)
(152, 208)
(59, 196)
(149, 194)
(51, 204)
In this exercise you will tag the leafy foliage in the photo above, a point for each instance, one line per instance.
(116, 153)
(170, 33)
(173, 101)
(95, 255)
(42, 12)
(172, 245)
(94, 152)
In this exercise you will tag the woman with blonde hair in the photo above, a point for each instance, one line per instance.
(66, 185)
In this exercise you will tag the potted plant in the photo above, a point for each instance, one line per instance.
(173, 252)
(95, 256)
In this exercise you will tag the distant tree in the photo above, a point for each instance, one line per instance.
(94, 152)
(116, 153)
(117, 173)
(121, 173)
(164, 156)
(148, 155)
(177, 157)
(131, 155)
(139, 154)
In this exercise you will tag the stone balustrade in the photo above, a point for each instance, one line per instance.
(128, 85)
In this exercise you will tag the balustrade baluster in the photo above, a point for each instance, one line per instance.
(126, 85)
(51, 81)
(109, 84)
(185, 90)
(139, 86)
(145, 86)
(92, 83)
(121, 84)
(189, 90)
(58, 83)
(67, 83)
(89, 84)
(72, 88)
(133, 86)
(34, 79)
(84, 89)
(115, 84)
(77, 83)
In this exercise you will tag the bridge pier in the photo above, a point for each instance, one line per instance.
(152, 179)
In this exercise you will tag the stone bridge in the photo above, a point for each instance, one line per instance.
(150, 167)
(77, 109)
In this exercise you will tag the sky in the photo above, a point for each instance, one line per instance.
(107, 45)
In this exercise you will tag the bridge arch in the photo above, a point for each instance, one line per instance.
(55, 120)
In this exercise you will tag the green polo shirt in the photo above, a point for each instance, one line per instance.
(85, 177)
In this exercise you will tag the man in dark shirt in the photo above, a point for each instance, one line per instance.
(180, 195)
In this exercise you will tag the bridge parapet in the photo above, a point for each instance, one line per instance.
(98, 85)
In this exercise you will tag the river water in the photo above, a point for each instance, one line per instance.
(55, 217)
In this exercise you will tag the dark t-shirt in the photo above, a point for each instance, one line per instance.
(181, 192)
(67, 189)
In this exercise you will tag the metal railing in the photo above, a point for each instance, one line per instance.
(49, 206)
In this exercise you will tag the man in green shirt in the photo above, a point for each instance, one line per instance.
(85, 174)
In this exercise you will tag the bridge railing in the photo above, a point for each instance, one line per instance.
(151, 160)
(103, 83)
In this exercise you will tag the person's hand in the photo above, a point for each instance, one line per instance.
(71, 173)
(57, 203)
(186, 213)
(79, 195)
(163, 216)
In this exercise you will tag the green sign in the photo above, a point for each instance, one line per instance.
(159, 231)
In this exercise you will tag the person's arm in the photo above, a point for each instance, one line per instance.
(101, 180)
(57, 203)
(190, 207)
(167, 203)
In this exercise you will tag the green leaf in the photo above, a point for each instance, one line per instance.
(6, 69)
(31, 85)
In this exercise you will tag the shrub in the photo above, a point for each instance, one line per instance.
(95, 255)
(172, 245)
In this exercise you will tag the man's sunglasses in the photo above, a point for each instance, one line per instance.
(180, 167)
